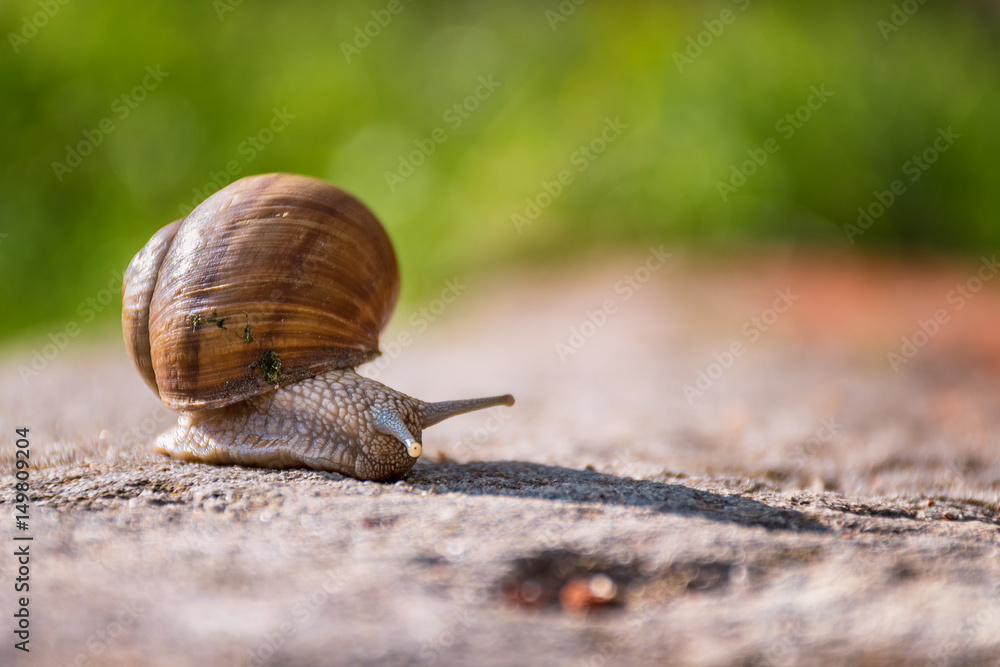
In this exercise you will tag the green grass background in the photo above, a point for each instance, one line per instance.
(230, 65)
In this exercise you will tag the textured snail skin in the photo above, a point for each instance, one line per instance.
(328, 422)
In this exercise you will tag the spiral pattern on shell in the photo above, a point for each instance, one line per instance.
(271, 280)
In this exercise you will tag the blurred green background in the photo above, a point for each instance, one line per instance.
(351, 113)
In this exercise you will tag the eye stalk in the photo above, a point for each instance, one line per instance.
(432, 413)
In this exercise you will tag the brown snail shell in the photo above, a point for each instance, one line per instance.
(273, 279)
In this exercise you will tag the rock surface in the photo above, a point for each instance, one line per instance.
(808, 505)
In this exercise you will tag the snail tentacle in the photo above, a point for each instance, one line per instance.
(432, 413)
(389, 422)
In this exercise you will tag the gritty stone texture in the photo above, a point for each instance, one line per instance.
(810, 507)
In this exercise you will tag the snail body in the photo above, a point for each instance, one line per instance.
(249, 317)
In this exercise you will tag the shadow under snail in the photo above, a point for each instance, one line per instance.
(250, 315)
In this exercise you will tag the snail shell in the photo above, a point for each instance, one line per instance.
(271, 280)
(249, 317)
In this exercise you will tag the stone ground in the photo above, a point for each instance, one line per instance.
(811, 506)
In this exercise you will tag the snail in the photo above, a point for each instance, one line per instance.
(250, 316)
